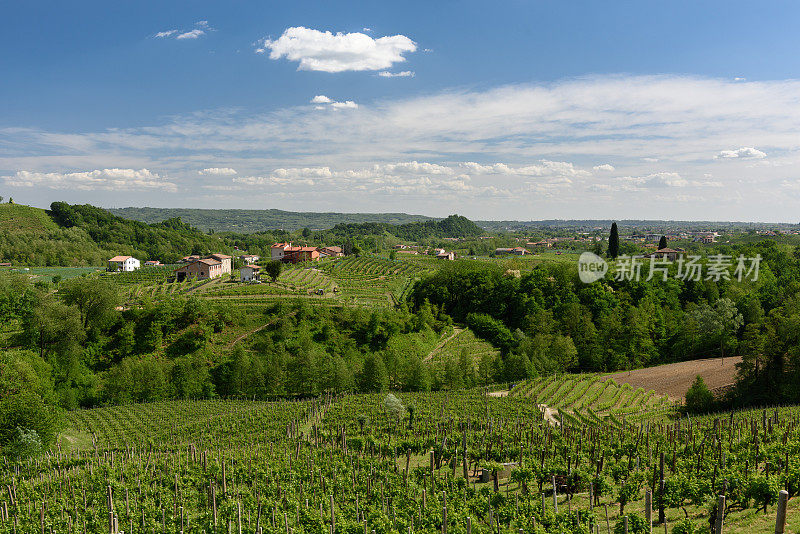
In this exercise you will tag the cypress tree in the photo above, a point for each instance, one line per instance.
(662, 243)
(613, 242)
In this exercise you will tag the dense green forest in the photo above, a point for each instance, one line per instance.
(452, 226)
(547, 321)
(252, 221)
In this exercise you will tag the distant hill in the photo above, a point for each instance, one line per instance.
(452, 226)
(250, 221)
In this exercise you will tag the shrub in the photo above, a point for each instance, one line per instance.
(636, 525)
(685, 526)
(699, 398)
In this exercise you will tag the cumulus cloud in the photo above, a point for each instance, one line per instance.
(167, 33)
(97, 180)
(347, 104)
(321, 99)
(746, 152)
(605, 167)
(402, 74)
(340, 52)
(218, 171)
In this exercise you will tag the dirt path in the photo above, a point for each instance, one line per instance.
(251, 332)
(438, 348)
(503, 393)
(674, 379)
(549, 414)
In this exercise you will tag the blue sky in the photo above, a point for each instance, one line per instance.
(521, 109)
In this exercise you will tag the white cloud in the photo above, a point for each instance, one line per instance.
(97, 180)
(746, 152)
(200, 29)
(340, 52)
(646, 125)
(347, 104)
(321, 99)
(192, 34)
(605, 167)
(218, 171)
(402, 74)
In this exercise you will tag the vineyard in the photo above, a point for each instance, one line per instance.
(589, 398)
(368, 281)
(456, 462)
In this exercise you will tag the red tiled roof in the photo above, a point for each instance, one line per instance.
(119, 258)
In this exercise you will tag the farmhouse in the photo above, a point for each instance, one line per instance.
(287, 253)
(123, 264)
(446, 256)
(278, 251)
(331, 252)
(248, 273)
(152, 263)
(668, 254)
(516, 251)
(189, 259)
(249, 259)
(300, 254)
(201, 269)
(226, 262)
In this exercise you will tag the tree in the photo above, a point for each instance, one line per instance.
(273, 269)
(699, 398)
(95, 300)
(373, 376)
(613, 242)
(393, 255)
(662, 243)
(1, 199)
(306, 232)
(394, 407)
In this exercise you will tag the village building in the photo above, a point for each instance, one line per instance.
(278, 251)
(226, 261)
(189, 259)
(123, 264)
(204, 269)
(249, 259)
(446, 256)
(152, 263)
(249, 273)
(668, 254)
(301, 254)
(331, 252)
(516, 251)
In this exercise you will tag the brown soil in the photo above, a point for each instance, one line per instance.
(674, 379)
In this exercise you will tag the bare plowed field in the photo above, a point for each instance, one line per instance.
(674, 379)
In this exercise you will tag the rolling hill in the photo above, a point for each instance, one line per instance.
(250, 221)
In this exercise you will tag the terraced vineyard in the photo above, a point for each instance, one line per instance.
(590, 397)
(371, 280)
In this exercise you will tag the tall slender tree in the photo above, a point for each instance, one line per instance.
(662, 243)
(613, 242)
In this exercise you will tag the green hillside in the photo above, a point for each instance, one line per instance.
(250, 221)
(77, 235)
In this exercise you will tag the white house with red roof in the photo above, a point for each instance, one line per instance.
(123, 264)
